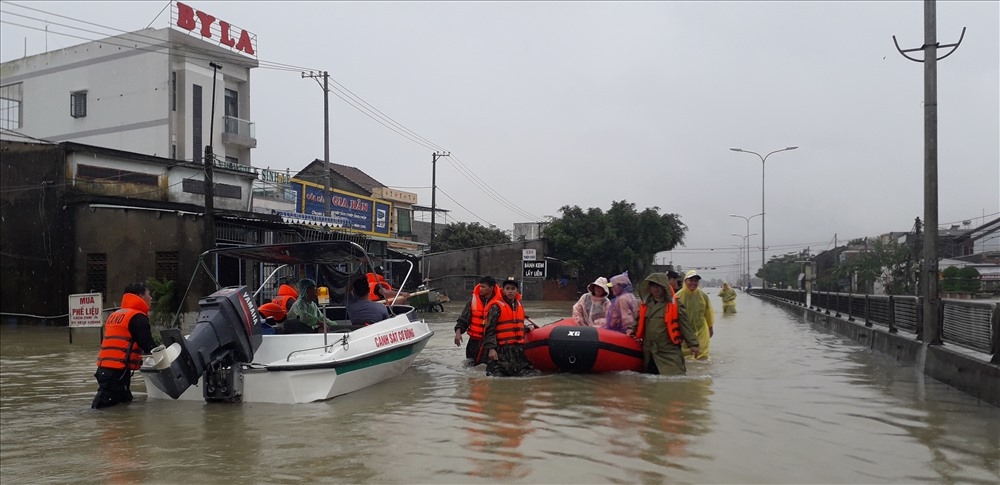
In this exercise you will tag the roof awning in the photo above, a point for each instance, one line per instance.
(400, 243)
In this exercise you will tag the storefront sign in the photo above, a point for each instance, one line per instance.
(209, 27)
(85, 310)
(534, 269)
(360, 213)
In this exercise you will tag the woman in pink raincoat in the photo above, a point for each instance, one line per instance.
(592, 308)
(624, 307)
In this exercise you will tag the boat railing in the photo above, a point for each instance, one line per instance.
(325, 347)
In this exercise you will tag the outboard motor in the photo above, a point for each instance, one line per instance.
(226, 335)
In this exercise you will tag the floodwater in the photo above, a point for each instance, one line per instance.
(781, 402)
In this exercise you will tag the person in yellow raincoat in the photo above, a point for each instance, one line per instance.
(699, 311)
(728, 296)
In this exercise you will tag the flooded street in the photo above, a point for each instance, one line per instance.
(780, 403)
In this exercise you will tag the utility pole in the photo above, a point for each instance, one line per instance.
(209, 168)
(434, 159)
(929, 275)
(326, 134)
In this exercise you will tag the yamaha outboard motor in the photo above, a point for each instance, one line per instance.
(225, 336)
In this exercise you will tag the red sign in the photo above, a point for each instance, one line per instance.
(190, 19)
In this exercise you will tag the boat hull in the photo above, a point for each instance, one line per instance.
(563, 346)
(304, 368)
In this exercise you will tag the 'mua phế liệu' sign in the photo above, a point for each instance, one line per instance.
(359, 213)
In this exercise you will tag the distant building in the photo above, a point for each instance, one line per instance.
(148, 92)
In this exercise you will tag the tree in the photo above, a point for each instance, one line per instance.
(599, 243)
(165, 302)
(462, 235)
(885, 263)
(960, 280)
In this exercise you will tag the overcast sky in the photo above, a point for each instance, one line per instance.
(568, 103)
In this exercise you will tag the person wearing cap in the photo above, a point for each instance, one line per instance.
(728, 295)
(675, 282)
(592, 308)
(663, 326)
(624, 307)
(473, 316)
(503, 335)
(305, 316)
(699, 311)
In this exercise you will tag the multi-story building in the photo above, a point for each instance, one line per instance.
(151, 92)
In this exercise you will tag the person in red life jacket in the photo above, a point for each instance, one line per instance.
(127, 336)
(503, 335)
(473, 316)
(662, 326)
(381, 290)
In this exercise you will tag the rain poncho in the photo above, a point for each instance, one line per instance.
(591, 310)
(656, 345)
(624, 308)
(728, 296)
(699, 311)
(306, 310)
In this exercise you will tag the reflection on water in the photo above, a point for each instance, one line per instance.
(781, 403)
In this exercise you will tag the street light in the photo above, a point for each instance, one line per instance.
(747, 219)
(763, 159)
(739, 261)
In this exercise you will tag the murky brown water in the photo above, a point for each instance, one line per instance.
(781, 403)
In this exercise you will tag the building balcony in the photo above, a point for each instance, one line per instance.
(239, 132)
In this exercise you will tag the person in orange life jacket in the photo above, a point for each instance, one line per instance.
(473, 316)
(381, 290)
(360, 309)
(127, 335)
(675, 281)
(503, 335)
(662, 326)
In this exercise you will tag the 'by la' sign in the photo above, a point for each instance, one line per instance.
(361, 213)
(189, 19)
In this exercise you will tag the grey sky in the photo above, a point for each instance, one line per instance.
(569, 103)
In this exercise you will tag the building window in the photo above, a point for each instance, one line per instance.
(404, 226)
(173, 90)
(10, 106)
(196, 123)
(232, 105)
(233, 160)
(167, 265)
(97, 273)
(78, 104)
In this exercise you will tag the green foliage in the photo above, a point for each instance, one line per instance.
(599, 243)
(887, 263)
(960, 280)
(165, 303)
(782, 271)
(462, 235)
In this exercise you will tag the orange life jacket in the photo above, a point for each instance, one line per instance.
(510, 325)
(286, 296)
(273, 310)
(118, 350)
(375, 280)
(477, 321)
(670, 318)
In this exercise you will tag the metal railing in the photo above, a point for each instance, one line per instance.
(971, 324)
(236, 126)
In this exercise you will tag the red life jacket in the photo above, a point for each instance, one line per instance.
(510, 325)
(118, 350)
(477, 321)
(375, 280)
(670, 318)
(286, 296)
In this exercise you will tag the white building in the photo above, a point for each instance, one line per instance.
(148, 92)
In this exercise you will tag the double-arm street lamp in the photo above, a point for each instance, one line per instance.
(747, 219)
(763, 159)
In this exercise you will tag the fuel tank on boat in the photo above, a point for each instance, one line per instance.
(227, 332)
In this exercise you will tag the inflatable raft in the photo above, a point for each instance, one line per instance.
(563, 346)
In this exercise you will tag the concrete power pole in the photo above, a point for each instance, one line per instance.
(434, 159)
(929, 275)
(326, 135)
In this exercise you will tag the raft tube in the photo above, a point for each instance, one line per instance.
(564, 346)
